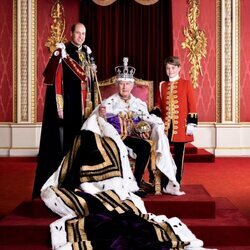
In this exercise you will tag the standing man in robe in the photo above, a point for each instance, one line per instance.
(68, 75)
(176, 104)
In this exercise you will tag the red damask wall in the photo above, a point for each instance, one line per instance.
(244, 61)
(44, 20)
(207, 22)
(6, 65)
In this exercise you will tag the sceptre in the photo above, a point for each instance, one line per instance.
(96, 80)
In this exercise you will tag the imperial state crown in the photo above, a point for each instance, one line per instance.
(125, 72)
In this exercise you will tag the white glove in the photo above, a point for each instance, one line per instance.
(62, 46)
(190, 129)
(93, 67)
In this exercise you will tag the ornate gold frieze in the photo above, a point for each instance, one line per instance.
(195, 41)
(57, 34)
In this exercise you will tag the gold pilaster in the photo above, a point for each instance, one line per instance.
(229, 69)
(218, 61)
(24, 61)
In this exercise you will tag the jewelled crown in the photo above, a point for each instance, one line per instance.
(125, 72)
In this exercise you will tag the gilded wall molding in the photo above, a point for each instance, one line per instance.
(108, 2)
(236, 61)
(195, 41)
(24, 61)
(23, 77)
(227, 114)
(218, 61)
(14, 59)
(227, 74)
(33, 60)
(57, 29)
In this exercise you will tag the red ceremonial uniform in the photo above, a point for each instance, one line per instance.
(177, 103)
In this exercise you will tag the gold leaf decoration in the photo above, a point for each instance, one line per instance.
(195, 41)
(58, 26)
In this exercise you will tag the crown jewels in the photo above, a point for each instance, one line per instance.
(125, 72)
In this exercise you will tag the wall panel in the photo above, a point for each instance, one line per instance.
(6, 64)
(207, 82)
(244, 61)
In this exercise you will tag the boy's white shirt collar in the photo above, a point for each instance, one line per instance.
(175, 78)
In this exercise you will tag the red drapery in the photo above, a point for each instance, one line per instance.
(126, 28)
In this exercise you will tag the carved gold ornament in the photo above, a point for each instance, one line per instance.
(58, 27)
(195, 41)
(108, 2)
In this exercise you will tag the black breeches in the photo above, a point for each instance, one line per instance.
(179, 151)
(142, 150)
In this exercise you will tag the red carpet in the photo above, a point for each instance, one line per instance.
(226, 177)
(216, 206)
(193, 154)
(196, 204)
(16, 182)
(222, 226)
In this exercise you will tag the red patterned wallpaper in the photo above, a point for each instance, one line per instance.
(44, 20)
(244, 62)
(206, 91)
(207, 22)
(6, 65)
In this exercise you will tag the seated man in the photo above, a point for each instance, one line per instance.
(125, 113)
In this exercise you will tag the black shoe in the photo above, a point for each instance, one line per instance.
(141, 193)
(147, 187)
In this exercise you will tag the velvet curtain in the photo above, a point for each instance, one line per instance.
(126, 28)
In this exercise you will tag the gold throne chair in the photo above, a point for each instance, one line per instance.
(144, 90)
